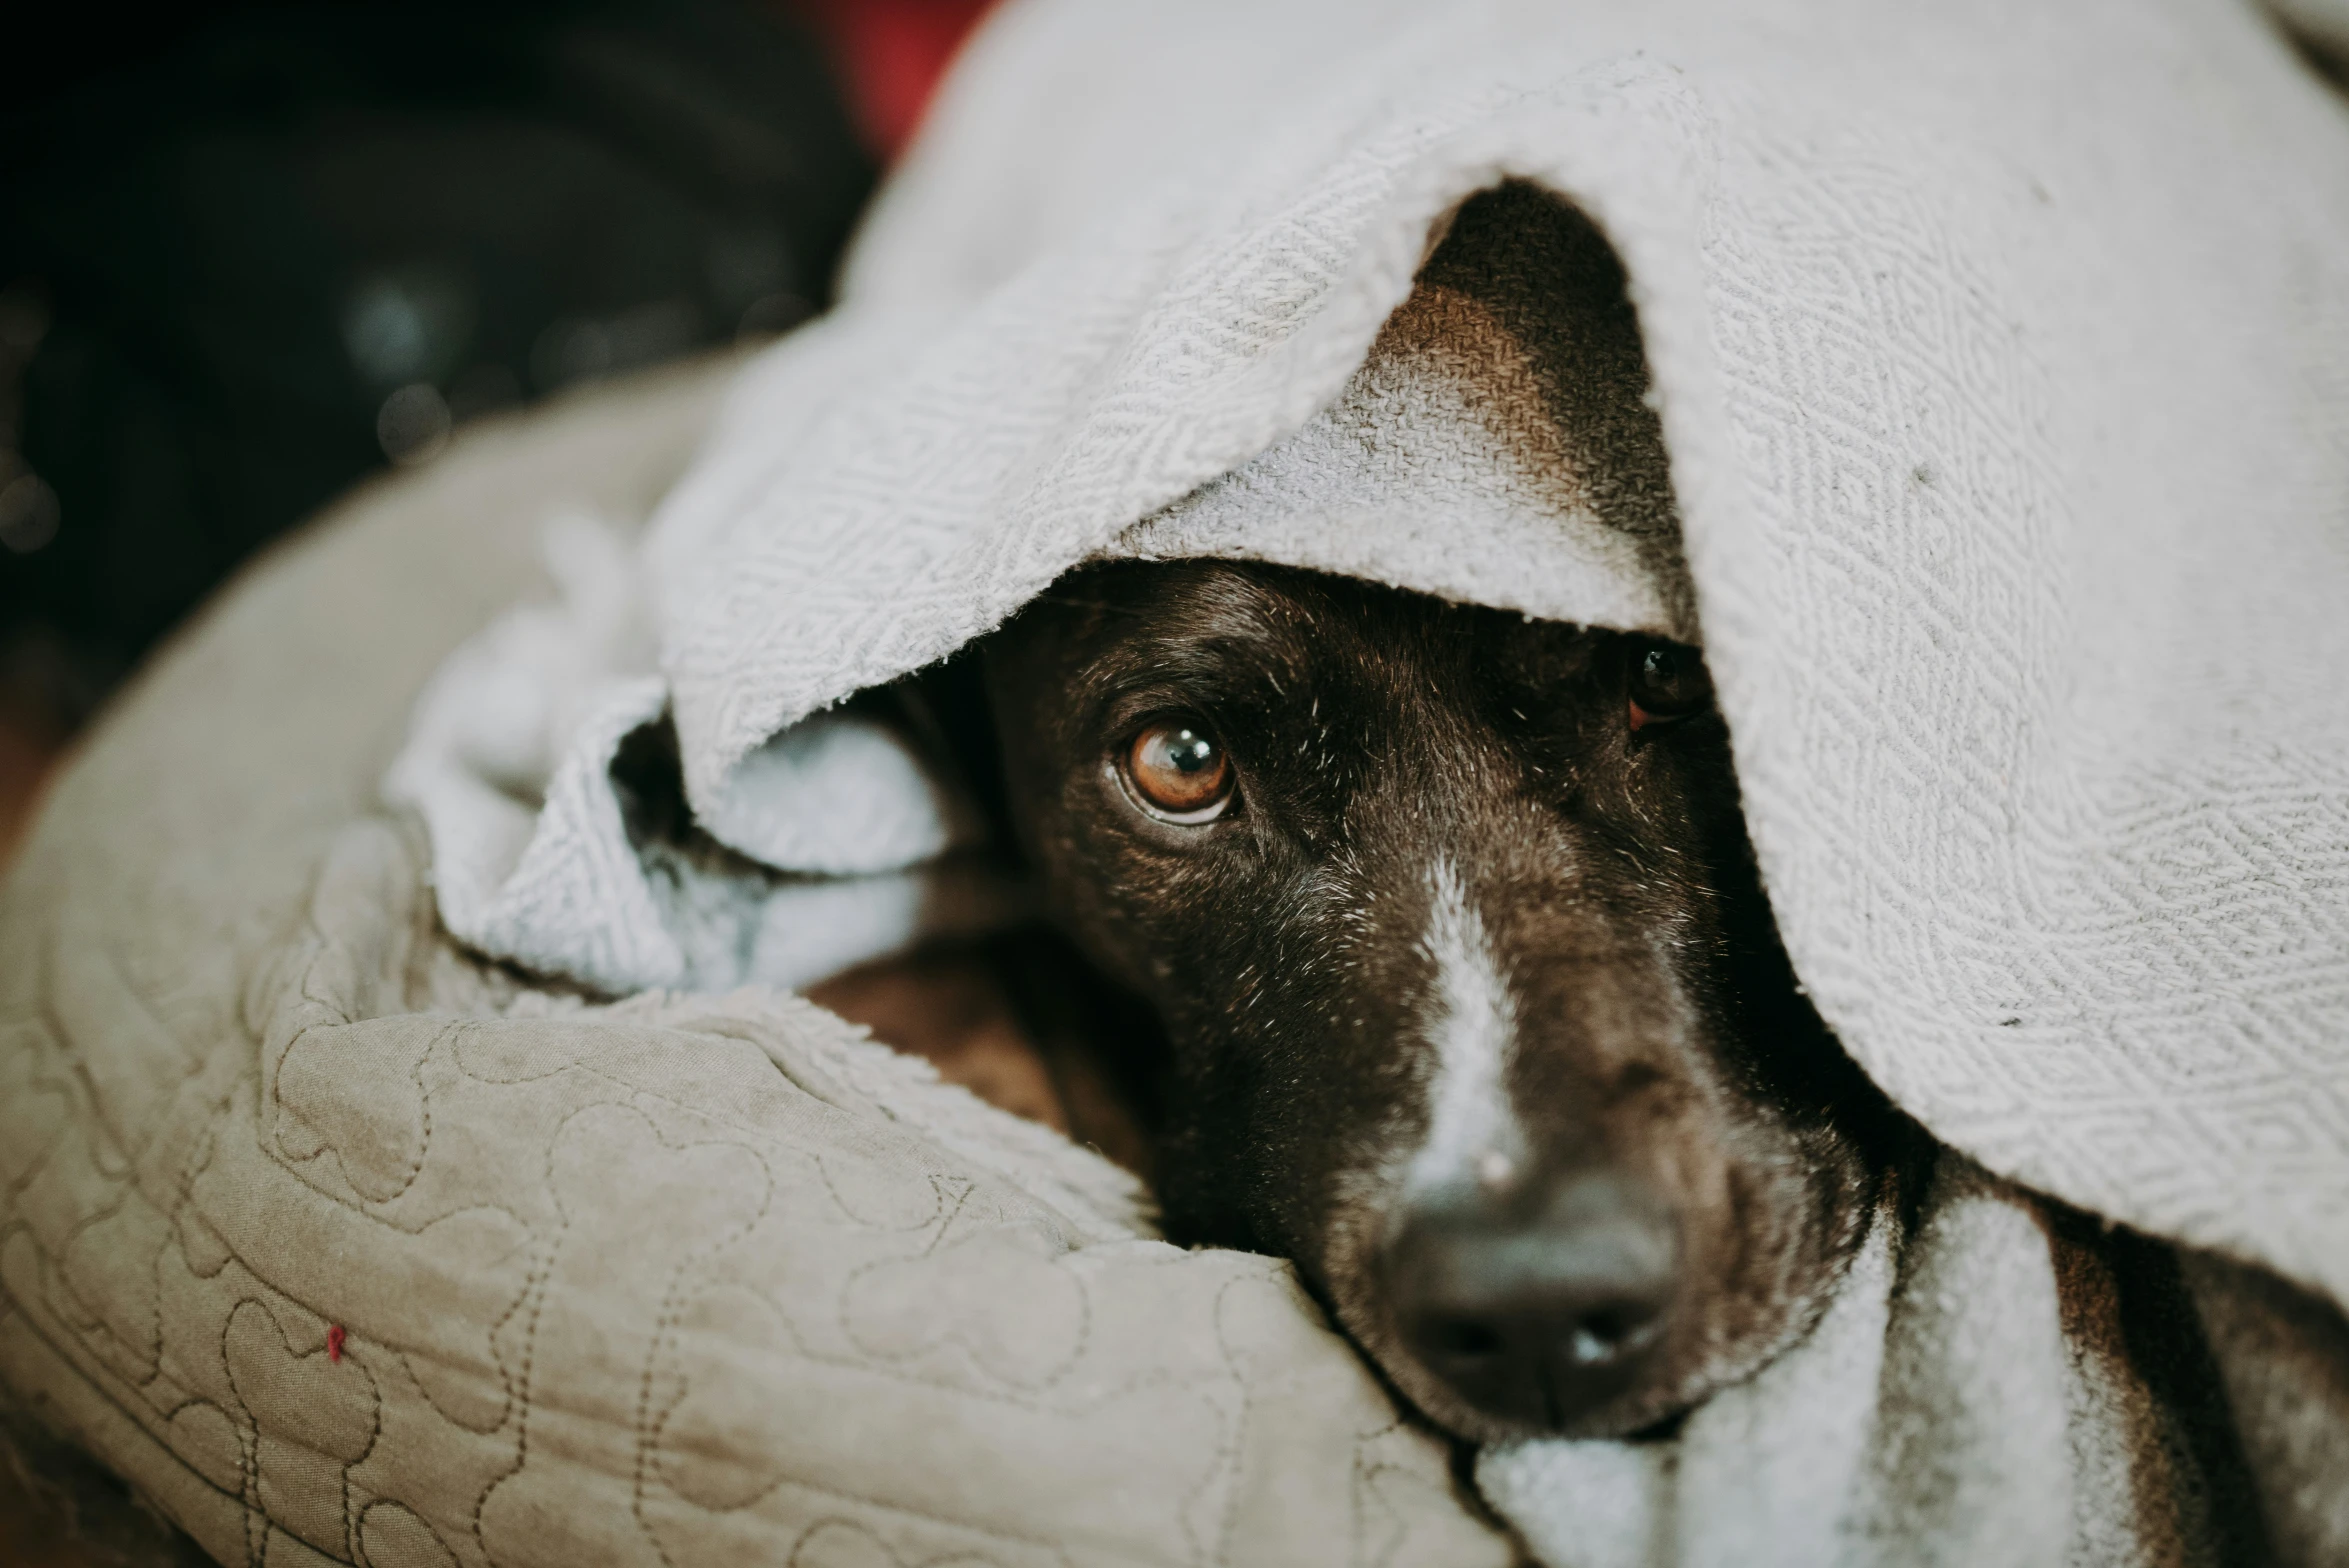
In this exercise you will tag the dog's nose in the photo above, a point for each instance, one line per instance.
(1537, 1307)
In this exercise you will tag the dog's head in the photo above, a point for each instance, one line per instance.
(1474, 1004)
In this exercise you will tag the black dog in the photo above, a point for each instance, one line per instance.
(1473, 1005)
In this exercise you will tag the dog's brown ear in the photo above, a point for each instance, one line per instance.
(1103, 1046)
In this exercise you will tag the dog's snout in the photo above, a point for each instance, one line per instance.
(1537, 1307)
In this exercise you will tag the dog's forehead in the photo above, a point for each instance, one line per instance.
(1302, 624)
(1216, 628)
(1239, 603)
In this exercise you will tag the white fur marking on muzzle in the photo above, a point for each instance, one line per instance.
(1472, 1130)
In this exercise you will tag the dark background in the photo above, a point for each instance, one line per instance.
(250, 254)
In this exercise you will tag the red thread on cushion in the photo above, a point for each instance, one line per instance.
(334, 1342)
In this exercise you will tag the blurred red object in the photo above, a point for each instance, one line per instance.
(891, 54)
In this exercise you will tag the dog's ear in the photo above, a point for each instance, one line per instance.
(1105, 1048)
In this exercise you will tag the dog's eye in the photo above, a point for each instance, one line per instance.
(1667, 682)
(1179, 772)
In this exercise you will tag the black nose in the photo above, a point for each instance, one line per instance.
(1539, 1306)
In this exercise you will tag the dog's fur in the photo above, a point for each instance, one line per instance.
(1472, 946)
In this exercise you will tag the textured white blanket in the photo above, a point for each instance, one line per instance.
(1999, 352)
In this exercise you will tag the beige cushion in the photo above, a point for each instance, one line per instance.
(679, 1280)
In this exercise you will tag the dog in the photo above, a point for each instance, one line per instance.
(1471, 1000)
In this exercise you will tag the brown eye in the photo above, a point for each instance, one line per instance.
(1668, 682)
(1179, 772)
